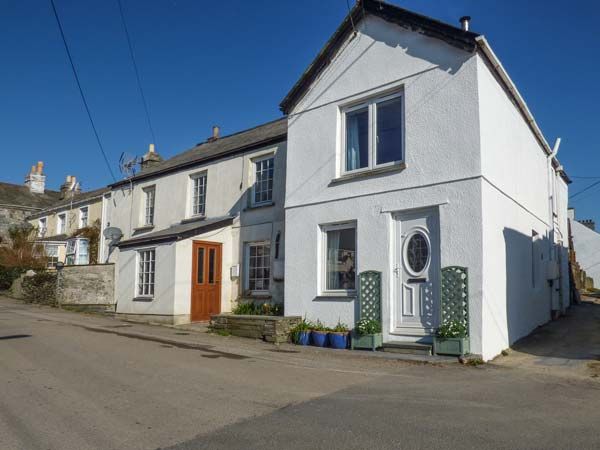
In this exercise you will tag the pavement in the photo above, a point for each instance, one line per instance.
(79, 381)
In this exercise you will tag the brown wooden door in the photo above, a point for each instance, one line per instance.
(206, 280)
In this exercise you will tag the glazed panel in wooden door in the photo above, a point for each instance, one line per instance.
(206, 281)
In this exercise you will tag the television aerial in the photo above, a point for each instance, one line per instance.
(128, 164)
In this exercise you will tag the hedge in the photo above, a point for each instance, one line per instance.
(40, 288)
(8, 275)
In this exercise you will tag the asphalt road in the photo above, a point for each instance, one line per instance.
(65, 385)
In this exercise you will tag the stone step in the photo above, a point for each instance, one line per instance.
(408, 348)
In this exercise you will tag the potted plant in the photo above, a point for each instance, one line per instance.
(301, 332)
(451, 339)
(338, 336)
(367, 334)
(318, 334)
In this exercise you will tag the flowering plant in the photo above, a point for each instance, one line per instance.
(368, 326)
(453, 329)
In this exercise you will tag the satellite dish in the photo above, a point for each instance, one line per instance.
(128, 164)
(113, 233)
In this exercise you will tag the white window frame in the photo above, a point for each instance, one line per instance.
(81, 216)
(61, 223)
(52, 260)
(247, 246)
(371, 104)
(149, 210)
(191, 190)
(255, 162)
(42, 230)
(138, 261)
(323, 259)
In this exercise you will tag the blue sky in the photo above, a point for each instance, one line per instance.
(230, 62)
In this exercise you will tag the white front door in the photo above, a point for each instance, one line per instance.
(416, 272)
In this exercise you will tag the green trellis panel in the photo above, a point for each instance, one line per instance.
(455, 295)
(369, 295)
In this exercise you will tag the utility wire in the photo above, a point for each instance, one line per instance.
(87, 109)
(137, 74)
(585, 189)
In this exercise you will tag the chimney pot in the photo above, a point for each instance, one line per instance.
(216, 131)
(464, 22)
(151, 148)
(40, 167)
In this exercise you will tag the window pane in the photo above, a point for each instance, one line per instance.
(200, 269)
(211, 266)
(259, 266)
(357, 139)
(263, 183)
(341, 259)
(389, 131)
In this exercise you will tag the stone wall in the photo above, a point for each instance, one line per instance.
(87, 287)
(10, 217)
(269, 328)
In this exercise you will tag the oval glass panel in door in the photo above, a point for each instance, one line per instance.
(417, 253)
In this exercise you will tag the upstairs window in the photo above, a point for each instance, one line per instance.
(149, 206)
(83, 217)
(373, 134)
(61, 221)
(198, 194)
(42, 226)
(262, 191)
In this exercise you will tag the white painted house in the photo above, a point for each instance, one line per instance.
(409, 150)
(202, 229)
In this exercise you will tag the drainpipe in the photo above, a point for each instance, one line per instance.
(552, 210)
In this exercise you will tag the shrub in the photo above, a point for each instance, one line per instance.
(452, 329)
(258, 309)
(40, 288)
(8, 275)
(368, 326)
(340, 328)
(318, 326)
(92, 233)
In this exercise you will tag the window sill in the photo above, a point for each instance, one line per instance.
(368, 173)
(260, 205)
(340, 295)
(258, 295)
(143, 299)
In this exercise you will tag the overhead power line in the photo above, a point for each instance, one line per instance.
(585, 189)
(85, 104)
(137, 73)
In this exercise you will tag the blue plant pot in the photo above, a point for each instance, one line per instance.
(303, 338)
(338, 340)
(319, 338)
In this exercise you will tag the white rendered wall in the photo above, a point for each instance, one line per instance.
(516, 200)
(442, 166)
(587, 250)
(229, 182)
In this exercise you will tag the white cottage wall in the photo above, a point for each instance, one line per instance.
(442, 167)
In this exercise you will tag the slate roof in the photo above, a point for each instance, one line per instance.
(265, 134)
(179, 231)
(407, 19)
(19, 195)
(82, 197)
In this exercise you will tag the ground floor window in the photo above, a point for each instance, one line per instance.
(339, 251)
(146, 272)
(258, 264)
(51, 255)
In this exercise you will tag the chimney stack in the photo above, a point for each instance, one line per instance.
(151, 158)
(69, 188)
(464, 22)
(216, 134)
(588, 223)
(36, 180)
